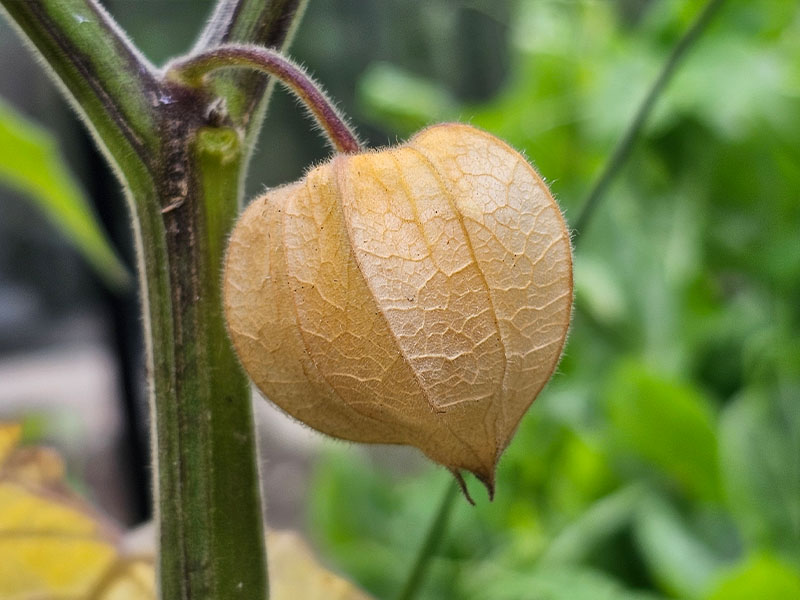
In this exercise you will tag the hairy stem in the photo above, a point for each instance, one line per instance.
(210, 514)
(626, 143)
(207, 451)
(433, 537)
(182, 175)
(193, 70)
(266, 23)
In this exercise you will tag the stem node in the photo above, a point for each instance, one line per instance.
(193, 70)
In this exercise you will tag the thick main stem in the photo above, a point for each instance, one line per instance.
(211, 526)
(182, 177)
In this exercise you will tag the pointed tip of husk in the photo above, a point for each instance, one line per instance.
(462, 485)
(486, 478)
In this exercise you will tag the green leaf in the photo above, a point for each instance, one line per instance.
(31, 164)
(668, 425)
(677, 558)
(402, 99)
(760, 457)
(762, 577)
(598, 290)
(602, 520)
(557, 583)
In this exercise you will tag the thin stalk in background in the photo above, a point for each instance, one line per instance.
(627, 142)
(621, 153)
(430, 544)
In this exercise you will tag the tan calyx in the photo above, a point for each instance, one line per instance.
(414, 295)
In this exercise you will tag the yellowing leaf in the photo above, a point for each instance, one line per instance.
(40, 466)
(295, 573)
(129, 579)
(9, 438)
(418, 295)
(52, 544)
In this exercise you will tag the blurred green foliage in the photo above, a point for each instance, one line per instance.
(663, 460)
(31, 163)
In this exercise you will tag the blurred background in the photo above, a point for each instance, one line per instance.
(662, 461)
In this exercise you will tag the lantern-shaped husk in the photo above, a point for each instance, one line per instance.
(415, 295)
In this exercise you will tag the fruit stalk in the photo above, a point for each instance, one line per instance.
(193, 70)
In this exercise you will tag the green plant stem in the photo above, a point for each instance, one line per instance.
(182, 175)
(193, 71)
(433, 538)
(627, 142)
(210, 516)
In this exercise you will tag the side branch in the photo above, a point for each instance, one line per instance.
(267, 23)
(193, 70)
(625, 145)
